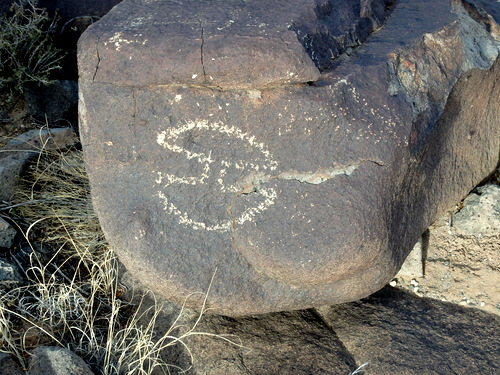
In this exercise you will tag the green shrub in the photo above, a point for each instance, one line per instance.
(27, 51)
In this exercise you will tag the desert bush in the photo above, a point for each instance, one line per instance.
(27, 51)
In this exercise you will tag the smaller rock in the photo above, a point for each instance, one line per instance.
(51, 360)
(8, 366)
(7, 234)
(16, 154)
(10, 276)
(480, 215)
(55, 102)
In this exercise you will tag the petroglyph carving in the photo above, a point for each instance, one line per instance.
(215, 169)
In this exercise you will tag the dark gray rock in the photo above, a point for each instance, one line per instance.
(210, 151)
(7, 234)
(272, 344)
(240, 44)
(399, 333)
(16, 154)
(8, 366)
(53, 103)
(10, 276)
(52, 360)
(279, 343)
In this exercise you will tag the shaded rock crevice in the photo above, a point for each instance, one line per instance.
(427, 74)
(329, 37)
(98, 59)
(202, 37)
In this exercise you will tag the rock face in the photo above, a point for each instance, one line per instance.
(390, 332)
(7, 234)
(480, 215)
(51, 360)
(288, 154)
(295, 342)
(16, 154)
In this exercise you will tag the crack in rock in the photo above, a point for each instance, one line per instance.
(253, 181)
(201, 51)
(98, 59)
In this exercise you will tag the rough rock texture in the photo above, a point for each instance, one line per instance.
(8, 366)
(7, 234)
(51, 360)
(221, 140)
(394, 331)
(402, 334)
(16, 154)
(10, 276)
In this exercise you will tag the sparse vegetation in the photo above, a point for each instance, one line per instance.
(72, 297)
(27, 52)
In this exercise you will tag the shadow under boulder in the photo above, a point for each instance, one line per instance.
(398, 333)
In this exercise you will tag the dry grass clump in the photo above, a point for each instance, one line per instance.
(72, 297)
(27, 52)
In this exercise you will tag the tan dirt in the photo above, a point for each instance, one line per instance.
(459, 268)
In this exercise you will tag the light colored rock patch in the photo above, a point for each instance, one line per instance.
(463, 256)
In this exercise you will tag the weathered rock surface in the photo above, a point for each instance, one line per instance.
(234, 145)
(280, 343)
(8, 366)
(398, 333)
(7, 234)
(10, 276)
(51, 360)
(16, 154)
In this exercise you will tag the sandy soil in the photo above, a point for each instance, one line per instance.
(459, 268)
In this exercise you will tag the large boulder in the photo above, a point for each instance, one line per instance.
(288, 155)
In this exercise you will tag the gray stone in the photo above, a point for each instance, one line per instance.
(10, 276)
(51, 360)
(398, 333)
(206, 155)
(243, 44)
(8, 366)
(16, 154)
(480, 214)
(53, 103)
(7, 234)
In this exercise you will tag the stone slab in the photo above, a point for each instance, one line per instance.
(397, 333)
